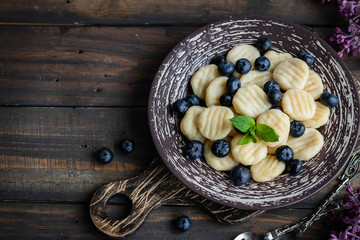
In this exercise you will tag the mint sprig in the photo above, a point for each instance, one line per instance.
(252, 130)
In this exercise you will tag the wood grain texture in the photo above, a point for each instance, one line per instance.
(161, 12)
(72, 221)
(89, 66)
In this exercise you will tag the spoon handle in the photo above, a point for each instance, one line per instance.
(351, 171)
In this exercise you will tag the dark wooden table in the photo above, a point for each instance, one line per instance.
(74, 77)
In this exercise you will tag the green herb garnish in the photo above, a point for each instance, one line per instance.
(252, 130)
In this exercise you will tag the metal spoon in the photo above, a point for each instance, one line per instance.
(294, 231)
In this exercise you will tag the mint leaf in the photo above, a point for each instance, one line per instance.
(266, 133)
(245, 139)
(252, 134)
(243, 123)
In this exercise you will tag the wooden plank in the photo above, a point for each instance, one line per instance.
(88, 66)
(71, 221)
(162, 12)
(50, 153)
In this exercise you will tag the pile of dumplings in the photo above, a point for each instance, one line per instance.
(301, 87)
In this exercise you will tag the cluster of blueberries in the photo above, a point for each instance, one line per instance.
(106, 155)
(221, 148)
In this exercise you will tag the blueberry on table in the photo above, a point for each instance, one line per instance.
(263, 44)
(274, 97)
(127, 145)
(226, 100)
(240, 175)
(294, 167)
(183, 223)
(180, 107)
(271, 85)
(194, 149)
(105, 155)
(243, 66)
(226, 68)
(329, 99)
(284, 153)
(262, 63)
(306, 57)
(192, 100)
(297, 129)
(220, 148)
(232, 84)
(218, 59)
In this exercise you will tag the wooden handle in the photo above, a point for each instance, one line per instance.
(152, 188)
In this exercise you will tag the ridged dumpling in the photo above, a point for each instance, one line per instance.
(276, 58)
(298, 104)
(320, 118)
(306, 146)
(250, 101)
(214, 122)
(256, 77)
(216, 88)
(314, 85)
(249, 52)
(188, 124)
(291, 73)
(267, 169)
(277, 120)
(202, 78)
(221, 164)
(247, 154)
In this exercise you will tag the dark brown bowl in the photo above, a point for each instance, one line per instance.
(172, 82)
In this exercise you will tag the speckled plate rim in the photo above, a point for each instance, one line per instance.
(345, 157)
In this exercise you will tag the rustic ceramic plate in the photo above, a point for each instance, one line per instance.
(172, 82)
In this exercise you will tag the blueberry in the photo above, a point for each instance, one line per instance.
(271, 85)
(297, 129)
(226, 100)
(220, 148)
(306, 57)
(294, 167)
(232, 84)
(105, 155)
(277, 108)
(329, 99)
(218, 59)
(127, 145)
(180, 107)
(194, 149)
(243, 66)
(183, 223)
(274, 97)
(263, 44)
(262, 63)
(284, 153)
(240, 175)
(226, 68)
(192, 100)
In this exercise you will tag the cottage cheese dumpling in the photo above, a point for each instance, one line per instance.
(214, 122)
(247, 154)
(249, 52)
(188, 124)
(221, 164)
(251, 101)
(298, 104)
(216, 88)
(314, 85)
(256, 77)
(202, 78)
(320, 118)
(291, 73)
(267, 169)
(276, 58)
(306, 146)
(277, 120)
